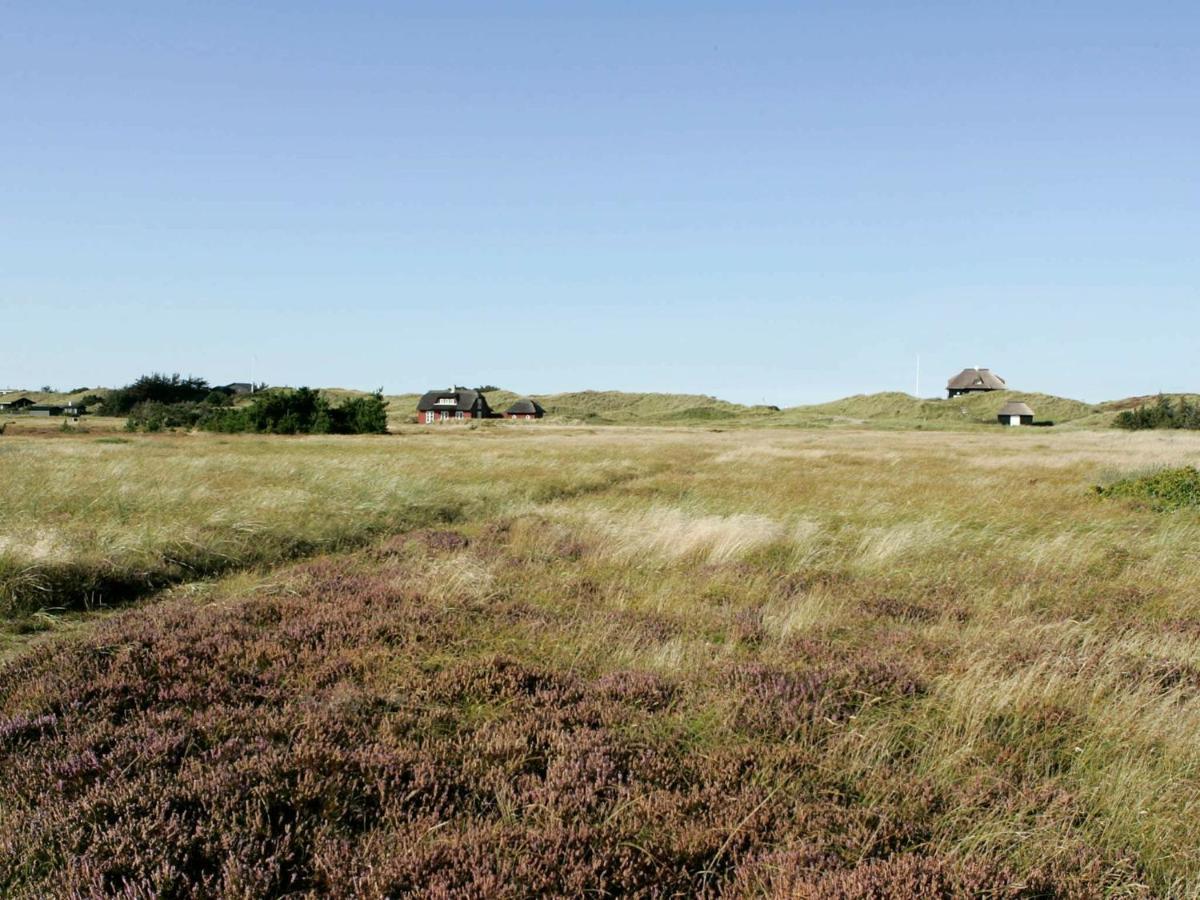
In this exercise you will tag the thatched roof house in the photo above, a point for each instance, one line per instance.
(970, 381)
(525, 409)
(1015, 412)
(453, 403)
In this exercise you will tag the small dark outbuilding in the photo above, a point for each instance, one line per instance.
(237, 387)
(451, 404)
(45, 409)
(16, 404)
(525, 409)
(1015, 412)
(973, 381)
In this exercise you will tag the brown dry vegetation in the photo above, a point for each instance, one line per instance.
(629, 661)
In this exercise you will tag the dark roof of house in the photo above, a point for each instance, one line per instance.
(24, 401)
(977, 380)
(525, 406)
(237, 387)
(453, 400)
(1015, 408)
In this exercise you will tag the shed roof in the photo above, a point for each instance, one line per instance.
(977, 379)
(525, 406)
(1015, 408)
(463, 400)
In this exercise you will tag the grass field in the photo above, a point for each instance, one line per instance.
(517, 661)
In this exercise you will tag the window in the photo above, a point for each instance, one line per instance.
(429, 417)
(458, 415)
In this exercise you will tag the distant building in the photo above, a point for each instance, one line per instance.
(525, 409)
(17, 404)
(45, 409)
(451, 404)
(237, 387)
(972, 381)
(1015, 413)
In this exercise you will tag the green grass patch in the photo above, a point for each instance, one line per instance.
(1163, 491)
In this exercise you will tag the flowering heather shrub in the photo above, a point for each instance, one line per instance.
(312, 742)
(894, 608)
(352, 730)
(909, 877)
(748, 628)
(442, 541)
(790, 703)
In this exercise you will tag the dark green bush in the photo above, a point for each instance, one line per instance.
(361, 415)
(150, 415)
(300, 411)
(218, 397)
(1164, 490)
(1162, 414)
(155, 388)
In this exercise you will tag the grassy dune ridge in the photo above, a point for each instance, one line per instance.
(889, 410)
(802, 662)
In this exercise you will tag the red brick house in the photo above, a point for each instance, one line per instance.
(450, 405)
(525, 409)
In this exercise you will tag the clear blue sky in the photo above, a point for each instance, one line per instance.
(766, 202)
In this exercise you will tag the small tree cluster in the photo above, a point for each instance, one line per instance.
(163, 402)
(1163, 413)
(156, 388)
(300, 411)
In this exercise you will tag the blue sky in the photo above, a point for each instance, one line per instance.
(767, 202)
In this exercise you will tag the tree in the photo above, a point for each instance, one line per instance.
(156, 388)
(362, 415)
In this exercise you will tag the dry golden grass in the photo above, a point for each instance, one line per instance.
(1057, 635)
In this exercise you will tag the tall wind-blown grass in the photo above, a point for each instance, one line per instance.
(559, 662)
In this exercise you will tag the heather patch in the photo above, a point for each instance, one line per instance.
(799, 702)
(314, 741)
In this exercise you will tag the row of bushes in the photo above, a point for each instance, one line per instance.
(1162, 414)
(278, 411)
(163, 390)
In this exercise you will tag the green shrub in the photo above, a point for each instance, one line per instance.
(1163, 414)
(1164, 490)
(361, 415)
(150, 415)
(155, 388)
(218, 397)
(299, 411)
